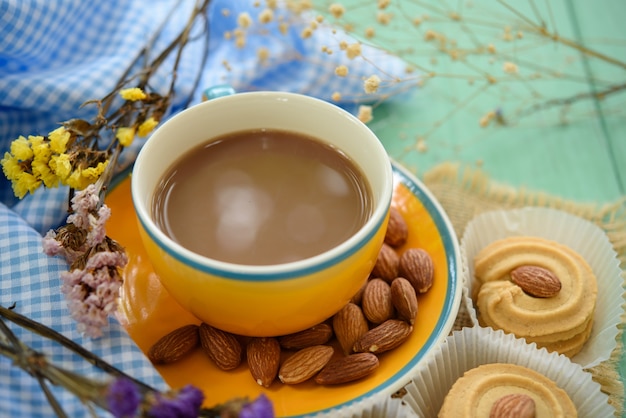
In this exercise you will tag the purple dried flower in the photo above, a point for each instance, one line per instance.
(261, 407)
(185, 404)
(123, 398)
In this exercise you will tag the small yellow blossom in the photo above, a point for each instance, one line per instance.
(263, 54)
(491, 48)
(93, 173)
(240, 40)
(343, 45)
(341, 71)
(384, 18)
(371, 84)
(147, 126)
(382, 4)
(76, 180)
(244, 20)
(125, 135)
(353, 50)
(283, 28)
(306, 33)
(365, 113)
(272, 4)
(11, 167)
(25, 183)
(42, 171)
(370, 32)
(58, 139)
(61, 165)
(266, 16)
(41, 150)
(337, 10)
(132, 94)
(336, 96)
(20, 148)
(510, 68)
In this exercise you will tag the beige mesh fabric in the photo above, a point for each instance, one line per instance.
(466, 192)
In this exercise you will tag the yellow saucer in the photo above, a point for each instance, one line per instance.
(148, 312)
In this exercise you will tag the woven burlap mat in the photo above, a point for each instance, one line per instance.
(465, 192)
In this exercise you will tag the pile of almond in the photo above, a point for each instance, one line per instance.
(346, 347)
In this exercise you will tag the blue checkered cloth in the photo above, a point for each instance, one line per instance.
(54, 56)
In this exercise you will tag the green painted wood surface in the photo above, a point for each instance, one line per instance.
(575, 150)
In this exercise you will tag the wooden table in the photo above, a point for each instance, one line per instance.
(544, 79)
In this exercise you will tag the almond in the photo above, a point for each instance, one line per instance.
(404, 299)
(316, 335)
(536, 281)
(347, 369)
(387, 263)
(263, 356)
(416, 265)
(384, 337)
(376, 304)
(397, 229)
(349, 325)
(222, 347)
(515, 405)
(175, 345)
(305, 364)
(358, 296)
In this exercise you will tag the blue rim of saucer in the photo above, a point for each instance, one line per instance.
(450, 305)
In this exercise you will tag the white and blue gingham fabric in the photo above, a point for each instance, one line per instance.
(54, 56)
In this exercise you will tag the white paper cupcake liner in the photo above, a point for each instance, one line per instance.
(579, 234)
(377, 406)
(471, 347)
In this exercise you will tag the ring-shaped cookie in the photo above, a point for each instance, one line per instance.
(560, 323)
(475, 393)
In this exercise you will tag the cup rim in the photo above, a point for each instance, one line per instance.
(274, 272)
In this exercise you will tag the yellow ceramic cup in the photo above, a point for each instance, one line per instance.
(265, 300)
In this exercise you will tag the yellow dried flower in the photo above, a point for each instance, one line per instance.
(263, 54)
(93, 173)
(240, 40)
(58, 139)
(337, 10)
(353, 50)
(510, 68)
(491, 48)
(76, 180)
(384, 18)
(42, 171)
(272, 4)
(41, 149)
(20, 148)
(371, 84)
(266, 16)
(61, 165)
(370, 32)
(382, 4)
(343, 45)
(306, 33)
(147, 126)
(125, 135)
(336, 96)
(365, 113)
(341, 71)
(244, 20)
(132, 94)
(25, 183)
(11, 167)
